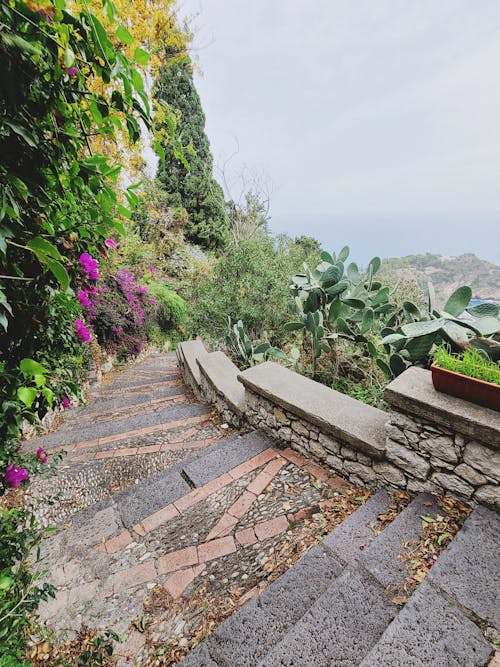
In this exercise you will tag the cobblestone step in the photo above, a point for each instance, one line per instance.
(345, 617)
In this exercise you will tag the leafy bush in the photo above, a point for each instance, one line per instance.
(169, 308)
(249, 282)
(471, 363)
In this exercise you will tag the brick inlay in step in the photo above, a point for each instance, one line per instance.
(177, 560)
(216, 548)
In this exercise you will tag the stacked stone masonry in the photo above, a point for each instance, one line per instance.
(418, 450)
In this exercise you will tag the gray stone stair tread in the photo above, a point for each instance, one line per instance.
(224, 456)
(355, 533)
(143, 398)
(139, 501)
(381, 557)
(73, 433)
(254, 629)
(158, 490)
(430, 631)
(222, 374)
(469, 569)
(360, 425)
(135, 382)
(191, 351)
(339, 629)
(200, 657)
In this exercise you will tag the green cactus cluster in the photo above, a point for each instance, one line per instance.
(249, 353)
(458, 326)
(336, 302)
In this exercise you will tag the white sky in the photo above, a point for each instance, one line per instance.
(377, 122)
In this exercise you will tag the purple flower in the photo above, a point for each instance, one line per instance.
(41, 455)
(141, 290)
(109, 243)
(66, 403)
(90, 266)
(81, 331)
(153, 301)
(83, 298)
(72, 71)
(14, 475)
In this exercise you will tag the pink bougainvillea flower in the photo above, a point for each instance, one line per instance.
(41, 455)
(90, 266)
(153, 301)
(109, 243)
(83, 298)
(141, 290)
(81, 331)
(15, 475)
(66, 403)
(73, 71)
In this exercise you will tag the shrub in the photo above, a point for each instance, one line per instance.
(170, 309)
(249, 282)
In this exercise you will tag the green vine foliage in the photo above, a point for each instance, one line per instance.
(62, 81)
(57, 199)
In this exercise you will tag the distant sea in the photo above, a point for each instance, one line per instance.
(476, 302)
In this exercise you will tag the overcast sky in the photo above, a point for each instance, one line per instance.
(375, 122)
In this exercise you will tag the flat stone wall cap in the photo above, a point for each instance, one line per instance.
(361, 426)
(222, 375)
(413, 393)
(192, 350)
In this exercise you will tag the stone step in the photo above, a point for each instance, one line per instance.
(325, 628)
(348, 540)
(224, 456)
(340, 628)
(151, 495)
(139, 380)
(122, 401)
(250, 633)
(382, 557)
(469, 570)
(430, 630)
(101, 430)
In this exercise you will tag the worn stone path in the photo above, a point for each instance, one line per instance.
(169, 523)
(161, 509)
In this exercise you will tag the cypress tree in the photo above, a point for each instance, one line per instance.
(195, 189)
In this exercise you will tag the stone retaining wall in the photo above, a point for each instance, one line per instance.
(427, 441)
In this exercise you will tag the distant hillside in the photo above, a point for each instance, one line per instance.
(448, 273)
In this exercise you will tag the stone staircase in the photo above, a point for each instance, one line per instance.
(334, 607)
(160, 508)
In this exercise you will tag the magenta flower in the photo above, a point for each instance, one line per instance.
(81, 331)
(109, 243)
(90, 266)
(14, 475)
(141, 290)
(83, 298)
(66, 403)
(73, 71)
(153, 301)
(41, 455)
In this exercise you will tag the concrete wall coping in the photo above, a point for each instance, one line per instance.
(413, 393)
(360, 425)
(192, 350)
(222, 375)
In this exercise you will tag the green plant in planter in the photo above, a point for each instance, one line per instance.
(412, 343)
(472, 363)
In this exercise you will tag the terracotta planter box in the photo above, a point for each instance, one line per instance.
(480, 392)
